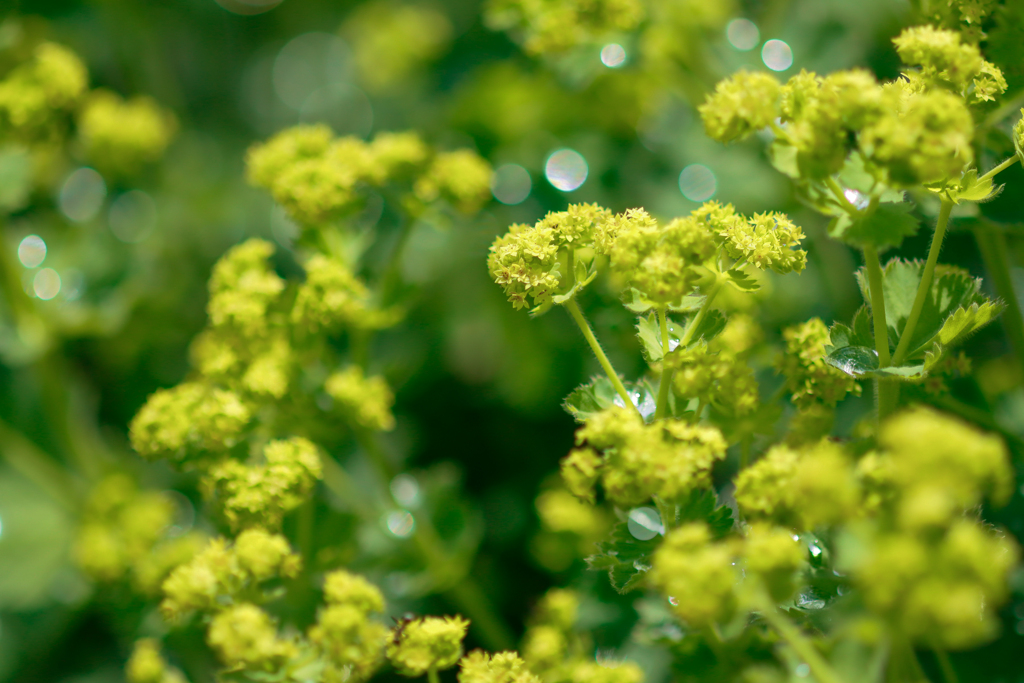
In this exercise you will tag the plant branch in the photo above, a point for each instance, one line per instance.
(948, 672)
(799, 642)
(665, 382)
(1000, 168)
(887, 390)
(701, 314)
(925, 286)
(588, 334)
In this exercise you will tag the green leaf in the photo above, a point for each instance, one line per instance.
(634, 300)
(708, 328)
(15, 178)
(887, 226)
(701, 505)
(855, 176)
(649, 334)
(952, 288)
(862, 362)
(971, 188)
(626, 558)
(742, 281)
(956, 328)
(599, 393)
(783, 158)
(580, 284)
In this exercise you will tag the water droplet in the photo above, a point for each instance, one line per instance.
(613, 55)
(856, 198)
(777, 55)
(815, 550)
(32, 251)
(82, 195)
(566, 169)
(132, 216)
(46, 284)
(697, 183)
(802, 670)
(511, 184)
(742, 34)
(406, 490)
(400, 522)
(644, 523)
(673, 601)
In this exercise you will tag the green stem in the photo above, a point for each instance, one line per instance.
(995, 254)
(666, 373)
(467, 595)
(887, 389)
(432, 676)
(588, 334)
(37, 466)
(1000, 168)
(948, 672)
(925, 286)
(691, 329)
(1008, 107)
(796, 639)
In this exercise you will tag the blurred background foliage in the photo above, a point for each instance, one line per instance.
(604, 116)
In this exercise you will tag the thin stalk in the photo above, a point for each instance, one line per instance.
(948, 672)
(392, 272)
(588, 334)
(1008, 107)
(432, 676)
(467, 595)
(700, 409)
(995, 254)
(666, 373)
(714, 641)
(887, 390)
(701, 314)
(803, 647)
(37, 466)
(1000, 168)
(903, 348)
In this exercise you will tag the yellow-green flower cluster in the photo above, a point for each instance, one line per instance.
(333, 297)
(942, 466)
(557, 652)
(121, 137)
(721, 380)
(556, 27)
(909, 133)
(147, 665)
(526, 261)
(940, 589)
(740, 106)
(188, 422)
(707, 579)
(245, 637)
(34, 92)
(661, 261)
(427, 644)
(124, 534)
(809, 379)
(345, 631)
(319, 179)
(221, 571)
(261, 494)
(945, 60)
(366, 401)
(392, 40)
(501, 667)
(461, 177)
(635, 461)
(700, 575)
(766, 240)
(806, 488)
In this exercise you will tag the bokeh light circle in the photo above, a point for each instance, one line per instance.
(511, 184)
(698, 183)
(777, 55)
(82, 195)
(46, 284)
(742, 34)
(566, 169)
(32, 251)
(613, 55)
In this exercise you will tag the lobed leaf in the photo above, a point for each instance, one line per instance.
(887, 226)
(599, 394)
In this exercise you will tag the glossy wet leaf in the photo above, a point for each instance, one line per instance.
(599, 393)
(862, 362)
(887, 226)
